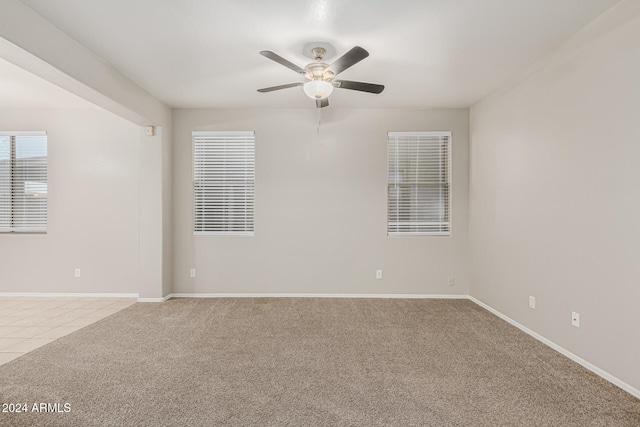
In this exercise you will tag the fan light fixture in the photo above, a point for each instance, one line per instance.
(320, 76)
(318, 89)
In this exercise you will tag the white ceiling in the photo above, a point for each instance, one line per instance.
(428, 53)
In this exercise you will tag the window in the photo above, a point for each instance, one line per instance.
(418, 194)
(223, 183)
(23, 182)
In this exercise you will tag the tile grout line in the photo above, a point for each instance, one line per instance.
(29, 315)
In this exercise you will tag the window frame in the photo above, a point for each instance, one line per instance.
(396, 181)
(35, 223)
(222, 189)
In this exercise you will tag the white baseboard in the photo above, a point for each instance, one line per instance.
(163, 299)
(304, 295)
(68, 294)
(600, 372)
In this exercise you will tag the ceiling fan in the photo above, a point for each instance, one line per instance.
(320, 76)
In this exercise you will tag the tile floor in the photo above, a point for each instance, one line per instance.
(27, 323)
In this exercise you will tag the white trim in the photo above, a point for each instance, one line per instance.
(423, 233)
(222, 133)
(163, 299)
(593, 368)
(421, 133)
(23, 133)
(225, 233)
(295, 295)
(68, 294)
(407, 157)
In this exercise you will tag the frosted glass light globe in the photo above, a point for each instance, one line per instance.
(318, 89)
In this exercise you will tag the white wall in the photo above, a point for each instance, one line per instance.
(34, 44)
(320, 207)
(93, 205)
(167, 206)
(555, 196)
(156, 247)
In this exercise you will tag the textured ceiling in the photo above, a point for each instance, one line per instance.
(428, 53)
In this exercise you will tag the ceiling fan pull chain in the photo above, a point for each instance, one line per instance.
(318, 115)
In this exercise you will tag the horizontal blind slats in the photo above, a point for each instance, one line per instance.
(5, 183)
(223, 182)
(418, 183)
(23, 182)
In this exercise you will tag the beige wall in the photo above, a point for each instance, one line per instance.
(93, 199)
(320, 207)
(555, 196)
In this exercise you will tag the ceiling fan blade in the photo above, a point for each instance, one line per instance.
(321, 103)
(362, 87)
(280, 60)
(350, 58)
(272, 88)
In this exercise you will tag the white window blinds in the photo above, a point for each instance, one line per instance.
(223, 182)
(418, 195)
(23, 182)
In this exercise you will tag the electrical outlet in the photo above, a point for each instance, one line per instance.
(192, 272)
(452, 281)
(76, 273)
(378, 274)
(532, 302)
(575, 319)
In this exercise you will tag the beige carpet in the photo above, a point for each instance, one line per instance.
(307, 362)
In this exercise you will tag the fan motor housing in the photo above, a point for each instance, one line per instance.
(318, 71)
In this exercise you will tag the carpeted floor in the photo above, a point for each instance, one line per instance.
(307, 362)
